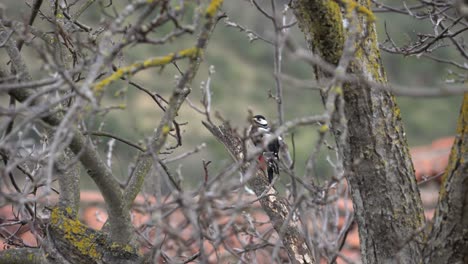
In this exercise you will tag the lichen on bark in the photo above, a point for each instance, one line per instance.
(321, 23)
(80, 243)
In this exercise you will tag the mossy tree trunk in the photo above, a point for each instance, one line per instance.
(377, 162)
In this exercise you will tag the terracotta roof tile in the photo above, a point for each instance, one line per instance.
(431, 160)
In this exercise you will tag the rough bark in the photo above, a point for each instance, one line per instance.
(448, 242)
(386, 199)
(22, 256)
(69, 183)
(277, 208)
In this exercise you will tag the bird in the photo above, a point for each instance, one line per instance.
(260, 132)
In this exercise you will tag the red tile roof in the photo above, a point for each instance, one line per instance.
(432, 159)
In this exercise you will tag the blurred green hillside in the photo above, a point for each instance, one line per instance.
(243, 78)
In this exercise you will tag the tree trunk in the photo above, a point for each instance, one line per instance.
(385, 195)
(448, 242)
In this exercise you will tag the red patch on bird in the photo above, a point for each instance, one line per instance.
(262, 163)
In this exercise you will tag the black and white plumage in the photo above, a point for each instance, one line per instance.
(259, 133)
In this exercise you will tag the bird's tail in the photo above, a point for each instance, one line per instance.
(273, 169)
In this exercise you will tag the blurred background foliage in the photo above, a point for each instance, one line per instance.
(242, 81)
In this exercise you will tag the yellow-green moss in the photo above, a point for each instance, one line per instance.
(213, 7)
(151, 62)
(321, 22)
(323, 129)
(69, 210)
(338, 90)
(166, 129)
(75, 233)
(352, 5)
(190, 52)
(118, 247)
(158, 61)
(396, 112)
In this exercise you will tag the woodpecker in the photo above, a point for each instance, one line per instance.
(260, 132)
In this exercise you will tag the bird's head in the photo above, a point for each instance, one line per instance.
(260, 121)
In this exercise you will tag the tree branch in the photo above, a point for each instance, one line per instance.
(105, 134)
(22, 256)
(141, 65)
